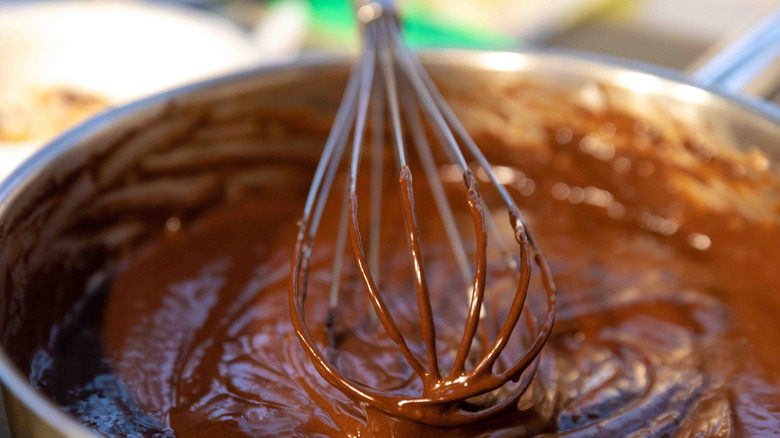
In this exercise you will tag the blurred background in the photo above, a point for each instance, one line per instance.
(63, 61)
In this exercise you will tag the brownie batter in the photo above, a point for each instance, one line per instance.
(667, 322)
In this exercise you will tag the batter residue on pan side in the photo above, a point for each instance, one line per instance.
(666, 320)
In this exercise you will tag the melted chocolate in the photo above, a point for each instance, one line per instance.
(666, 321)
(446, 399)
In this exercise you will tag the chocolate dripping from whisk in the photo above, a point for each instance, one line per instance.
(444, 400)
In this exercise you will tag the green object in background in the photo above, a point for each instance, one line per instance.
(334, 24)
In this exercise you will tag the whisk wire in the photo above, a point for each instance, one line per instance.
(324, 176)
(377, 173)
(366, 80)
(410, 217)
(432, 99)
(337, 136)
(437, 188)
(429, 105)
(338, 262)
(390, 73)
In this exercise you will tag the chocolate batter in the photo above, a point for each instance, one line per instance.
(667, 319)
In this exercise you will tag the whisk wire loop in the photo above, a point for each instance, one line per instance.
(399, 84)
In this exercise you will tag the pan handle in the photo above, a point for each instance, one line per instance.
(746, 62)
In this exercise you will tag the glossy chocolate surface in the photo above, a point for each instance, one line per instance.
(662, 249)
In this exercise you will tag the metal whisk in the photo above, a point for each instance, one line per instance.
(404, 82)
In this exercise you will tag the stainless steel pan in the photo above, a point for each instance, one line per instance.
(53, 184)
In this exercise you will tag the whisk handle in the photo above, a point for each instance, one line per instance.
(385, 4)
(369, 10)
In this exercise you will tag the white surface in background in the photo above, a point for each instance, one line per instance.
(12, 154)
(284, 29)
(125, 50)
(120, 49)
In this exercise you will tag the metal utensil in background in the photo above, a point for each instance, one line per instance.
(748, 61)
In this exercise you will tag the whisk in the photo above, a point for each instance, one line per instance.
(395, 78)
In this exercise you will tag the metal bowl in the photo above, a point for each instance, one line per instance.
(84, 172)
